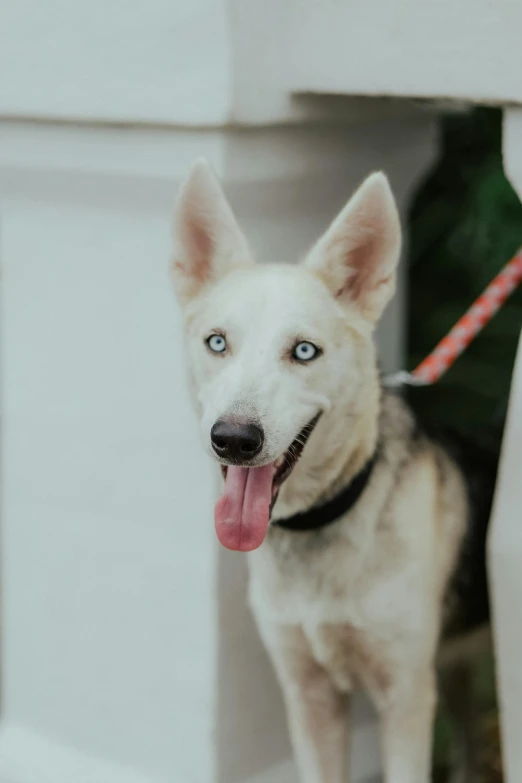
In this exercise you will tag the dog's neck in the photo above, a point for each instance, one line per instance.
(338, 450)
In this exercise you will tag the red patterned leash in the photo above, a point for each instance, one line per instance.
(465, 330)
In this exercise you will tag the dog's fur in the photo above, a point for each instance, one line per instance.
(366, 599)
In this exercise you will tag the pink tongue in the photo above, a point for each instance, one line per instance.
(242, 512)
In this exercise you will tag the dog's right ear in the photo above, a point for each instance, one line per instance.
(357, 256)
(208, 239)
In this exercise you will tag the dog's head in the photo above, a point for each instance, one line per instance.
(274, 348)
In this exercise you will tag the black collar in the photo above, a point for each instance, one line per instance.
(331, 510)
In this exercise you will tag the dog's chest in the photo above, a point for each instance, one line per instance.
(349, 633)
(351, 655)
(327, 580)
(356, 613)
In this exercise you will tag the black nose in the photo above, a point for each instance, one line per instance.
(236, 441)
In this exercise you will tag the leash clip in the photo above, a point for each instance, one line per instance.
(402, 378)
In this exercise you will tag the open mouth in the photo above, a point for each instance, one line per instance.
(242, 513)
(285, 464)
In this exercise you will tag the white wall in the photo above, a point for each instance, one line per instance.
(152, 61)
(505, 541)
(211, 62)
(428, 48)
(103, 483)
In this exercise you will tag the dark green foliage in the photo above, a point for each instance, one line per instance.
(465, 224)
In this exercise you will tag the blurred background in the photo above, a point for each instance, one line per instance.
(464, 221)
(128, 654)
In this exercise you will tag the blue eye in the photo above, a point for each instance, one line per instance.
(217, 343)
(305, 352)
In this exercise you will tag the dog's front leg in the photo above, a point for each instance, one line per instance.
(407, 728)
(318, 714)
(318, 718)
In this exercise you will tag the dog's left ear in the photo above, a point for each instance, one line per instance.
(357, 256)
(208, 239)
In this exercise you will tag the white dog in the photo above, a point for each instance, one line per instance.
(359, 522)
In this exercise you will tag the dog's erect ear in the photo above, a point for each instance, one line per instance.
(208, 240)
(357, 256)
